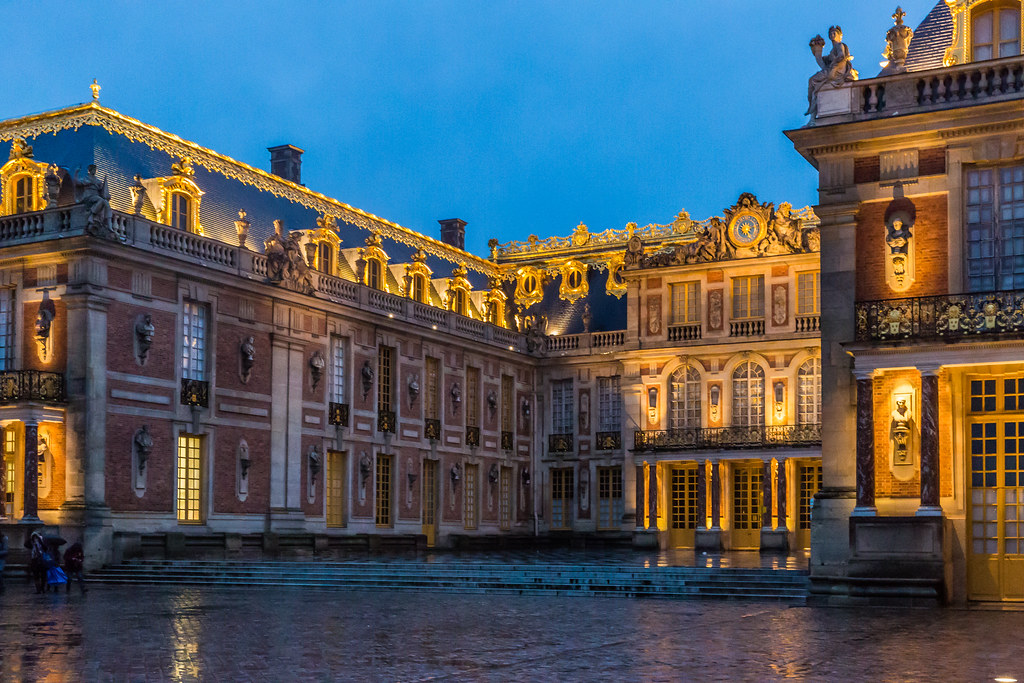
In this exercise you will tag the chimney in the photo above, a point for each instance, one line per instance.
(286, 162)
(453, 232)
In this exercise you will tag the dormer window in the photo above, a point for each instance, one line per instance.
(374, 273)
(181, 211)
(458, 291)
(373, 261)
(460, 302)
(22, 180)
(419, 288)
(174, 199)
(24, 192)
(417, 278)
(325, 258)
(995, 30)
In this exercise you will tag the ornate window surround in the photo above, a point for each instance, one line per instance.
(160, 191)
(21, 165)
(964, 11)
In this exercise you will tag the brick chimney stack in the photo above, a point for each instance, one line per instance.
(286, 162)
(453, 232)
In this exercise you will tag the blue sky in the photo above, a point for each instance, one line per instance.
(519, 117)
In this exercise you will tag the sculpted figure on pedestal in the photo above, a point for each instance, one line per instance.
(836, 68)
(93, 193)
(897, 43)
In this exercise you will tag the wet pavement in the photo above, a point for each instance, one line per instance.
(236, 634)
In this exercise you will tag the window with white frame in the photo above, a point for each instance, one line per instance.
(808, 392)
(337, 370)
(609, 404)
(748, 297)
(472, 397)
(748, 395)
(808, 293)
(995, 229)
(685, 400)
(685, 303)
(6, 328)
(561, 406)
(194, 338)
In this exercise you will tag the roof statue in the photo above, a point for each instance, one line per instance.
(95, 87)
(835, 67)
(897, 45)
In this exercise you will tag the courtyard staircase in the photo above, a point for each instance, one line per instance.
(531, 578)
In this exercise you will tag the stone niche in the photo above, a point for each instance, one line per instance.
(904, 444)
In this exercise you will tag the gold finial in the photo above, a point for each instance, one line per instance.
(95, 87)
(898, 15)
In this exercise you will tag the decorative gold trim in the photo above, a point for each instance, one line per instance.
(569, 290)
(748, 239)
(22, 164)
(160, 191)
(494, 303)
(615, 285)
(373, 252)
(525, 297)
(456, 283)
(417, 268)
(93, 114)
(959, 50)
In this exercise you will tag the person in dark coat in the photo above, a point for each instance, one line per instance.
(74, 561)
(40, 560)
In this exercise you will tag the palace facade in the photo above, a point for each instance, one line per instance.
(921, 177)
(199, 356)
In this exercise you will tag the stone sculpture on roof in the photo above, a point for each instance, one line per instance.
(835, 67)
(285, 263)
(897, 45)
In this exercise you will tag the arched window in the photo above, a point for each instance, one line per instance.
(748, 395)
(24, 193)
(325, 258)
(374, 273)
(181, 211)
(995, 30)
(419, 288)
(685, 395)
(496, 312)
(808, 392)
(460, 301)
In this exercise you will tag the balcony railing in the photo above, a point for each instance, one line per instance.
(337, 414)
(560, 443)
(712, 438)
(684, 332)
(948, 317)
(808, 323)
(432, 429)
(746, 328)
(609, 441)
(386, 421)
(472, 436)
(31, 385)
(195, 392)
(507, 441)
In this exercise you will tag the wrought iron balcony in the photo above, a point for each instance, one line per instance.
(560, 443)
(337, 414)
(386, 421)
(507, 441)
(195, 392)
(609, 441)
(432, 429)
(947, 317)
(31, 385)
(472, 436)
(711, 438)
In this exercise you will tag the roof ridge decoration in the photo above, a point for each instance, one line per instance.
(94, 114)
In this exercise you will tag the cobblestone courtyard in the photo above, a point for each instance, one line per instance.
(154, 634)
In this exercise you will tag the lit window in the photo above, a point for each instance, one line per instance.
(473, 397)
(748, 297)
(193, 348)
(337, 370)
(808, 293)
(432, 398)
(181, 212)
(460, 301)
(561, 406)
(189, 479)
(685, 406)
(419, 288)
(383, 507)
(995, 226)
(995, 31)
(385, 375)
(685, 303)
(809, 392)
(325, 258)
(6, 328)
(374, 273)
(748, 395)
(24, 189)
(609, 404)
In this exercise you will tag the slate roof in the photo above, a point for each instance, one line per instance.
(931, 38)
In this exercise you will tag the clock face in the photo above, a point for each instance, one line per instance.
(746, 230)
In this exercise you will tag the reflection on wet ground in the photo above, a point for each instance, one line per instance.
(154, 633)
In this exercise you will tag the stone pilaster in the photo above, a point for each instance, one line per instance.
(652, 522)
(865, 447)
(702, 494)
(641, 497)
(31, 483)
(716, 495)
(929, 443)
(766, 494)
(782, 495)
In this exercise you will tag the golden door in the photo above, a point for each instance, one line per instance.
(746, 507)
(808, 484)
(684, 513)
(430, 502)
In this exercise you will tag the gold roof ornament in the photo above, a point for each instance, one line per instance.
(20, 149)
(95, 87)
(327, 222)
(184, 168)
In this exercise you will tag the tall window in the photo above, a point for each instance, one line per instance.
(505, 499)
(507, 423)
(995, 31)
(385, 378)
(335, 489)
(808, 392)
(748, 395)
(419, 288)
(748, 297)
(609, 497)
(473, 397)
(24, 188)
(374, 273)
(808, 293)
(561, 406)
(189, 479)
(325, 258)
(433, 395)
(6, 328)
(995, 228)
(337, 370)
(685, 407)
(383, 506)
(469, 496)
(193, 350)
(609, 404)
(685, 303)
(561, 498)
(460, 301)
(181, 211)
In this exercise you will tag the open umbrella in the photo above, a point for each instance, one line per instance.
(53, 541)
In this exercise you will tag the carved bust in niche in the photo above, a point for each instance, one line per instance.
(899, 244)
(902, 436)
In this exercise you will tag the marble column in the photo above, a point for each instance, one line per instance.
(702, 494)
(641, 498)
(652, 522)
(929, 443)
(716, 495)
(31, 483)
(865, 447)
(3, 486)
(782, 495)
(766, 494)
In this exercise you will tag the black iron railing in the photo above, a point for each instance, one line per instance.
(31, 385)
(432, 429)
(507, 441)
(472, 436)
(386, 421)
(949, 316)
(609, 441)
(709, 438)
(195, 392)
(560, 443)
(337, 414)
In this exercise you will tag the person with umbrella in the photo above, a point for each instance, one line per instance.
(74, 561)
